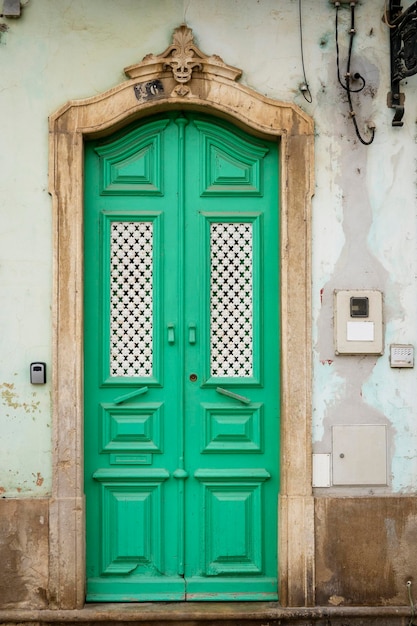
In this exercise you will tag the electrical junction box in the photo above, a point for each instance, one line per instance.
(359, 453)
(358, 325)
(321, 470)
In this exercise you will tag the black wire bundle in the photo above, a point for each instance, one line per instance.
(348, 77)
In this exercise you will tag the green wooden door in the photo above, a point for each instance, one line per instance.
(181, 363)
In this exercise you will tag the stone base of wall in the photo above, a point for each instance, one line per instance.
(366, 551)
(24, 547)
(365, 554)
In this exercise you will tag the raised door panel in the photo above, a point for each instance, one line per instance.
(230, 164)
(133, 165)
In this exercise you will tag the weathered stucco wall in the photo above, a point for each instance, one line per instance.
(364, 219)
(364, 237)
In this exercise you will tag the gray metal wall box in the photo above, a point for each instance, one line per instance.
(359, 454)
(11, 8)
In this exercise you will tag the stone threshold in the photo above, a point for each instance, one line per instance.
(214, 612)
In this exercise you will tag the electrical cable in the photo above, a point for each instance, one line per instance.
(386, 20)
(348, 76)
(410, 598)
(305, 90)
(357, 76)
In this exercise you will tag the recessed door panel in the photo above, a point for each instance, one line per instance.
(181, 363)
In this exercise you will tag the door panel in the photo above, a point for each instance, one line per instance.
(181, 363)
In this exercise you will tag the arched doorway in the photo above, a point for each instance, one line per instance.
(159, 85)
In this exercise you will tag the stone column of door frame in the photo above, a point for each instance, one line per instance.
(264, 117)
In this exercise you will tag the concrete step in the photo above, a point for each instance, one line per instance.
(209, 614)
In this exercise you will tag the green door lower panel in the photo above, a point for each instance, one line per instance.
(181, 369)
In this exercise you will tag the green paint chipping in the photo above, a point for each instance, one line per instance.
(10, 398)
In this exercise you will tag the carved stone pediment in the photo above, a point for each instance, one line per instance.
(182, 58)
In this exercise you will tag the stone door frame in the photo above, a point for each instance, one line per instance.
(181, 78)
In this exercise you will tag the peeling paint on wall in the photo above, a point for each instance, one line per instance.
(332, 389)
(10, 398)
(21, 412)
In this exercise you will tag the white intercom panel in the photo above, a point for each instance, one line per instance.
(358, 321)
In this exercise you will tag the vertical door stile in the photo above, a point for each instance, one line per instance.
(180, 473)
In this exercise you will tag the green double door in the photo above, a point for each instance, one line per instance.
(181, 362)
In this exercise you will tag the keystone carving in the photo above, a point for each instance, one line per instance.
(182, 58)
(185, 56)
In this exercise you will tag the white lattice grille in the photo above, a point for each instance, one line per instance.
(131, 297)
(231, 299)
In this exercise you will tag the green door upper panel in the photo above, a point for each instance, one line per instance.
(231, 164)
(133, 166)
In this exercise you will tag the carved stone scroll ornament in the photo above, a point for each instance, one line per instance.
(182, 58)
